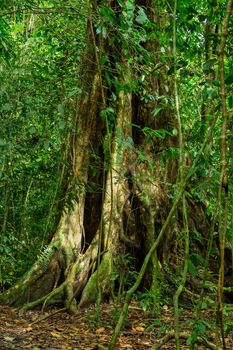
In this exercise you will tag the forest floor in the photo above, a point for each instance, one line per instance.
(91, 330)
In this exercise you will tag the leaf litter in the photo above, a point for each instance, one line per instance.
(91, 330)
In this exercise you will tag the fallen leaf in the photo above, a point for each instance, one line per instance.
(147, 343)
(139, 329)
(74, 328)
(9, 338)
(100, 330)
(54, 334)
(18, 321)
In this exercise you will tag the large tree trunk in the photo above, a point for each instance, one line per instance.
(130, 208)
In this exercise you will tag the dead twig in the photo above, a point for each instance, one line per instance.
(40, 319)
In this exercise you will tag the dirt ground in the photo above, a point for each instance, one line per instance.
(90, 329)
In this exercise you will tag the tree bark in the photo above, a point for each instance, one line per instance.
(133, 201)
(77, 259)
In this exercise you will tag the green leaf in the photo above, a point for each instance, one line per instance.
(192, 338)
(2, 143)
(209, 64)
(192, 171)
(155, 111)
(209, 92)
(32, 130)
(18, 28)
(46, 144)
(108, 14)
(141, 17)
(61, 109)
(6, 107)
(75, 91)
(107, 113)
(104, 59)
(61, 125)
(191, 268)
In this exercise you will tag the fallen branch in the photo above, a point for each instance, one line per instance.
(47, 316)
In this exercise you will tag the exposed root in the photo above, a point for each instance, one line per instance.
(43, 300)
(184, 335)
(101, 275)
(66, 292)
(20, 292)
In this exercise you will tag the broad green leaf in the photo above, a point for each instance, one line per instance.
(61, 124)
(192, 338)
(61, 109)
(141, 17)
